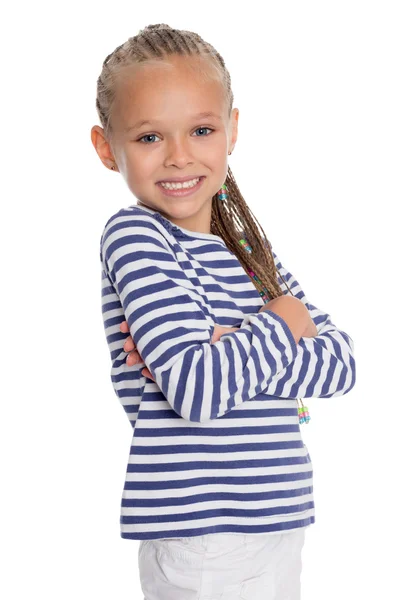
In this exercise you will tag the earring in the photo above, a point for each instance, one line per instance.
(113, 168)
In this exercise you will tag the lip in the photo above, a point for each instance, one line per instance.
(179, 179)
(182, 191)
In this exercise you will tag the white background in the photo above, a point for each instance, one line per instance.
(317, 159)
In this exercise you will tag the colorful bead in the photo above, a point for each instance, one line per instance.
(304, 415)
(223, 193)
(245, 245)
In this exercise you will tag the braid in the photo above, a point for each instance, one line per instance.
(233, 211)
(230, 217)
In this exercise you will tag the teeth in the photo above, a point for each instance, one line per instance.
(178, 186)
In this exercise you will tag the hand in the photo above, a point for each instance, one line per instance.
(292, 311)
(219, 331)
(133, 354)
(271, 303)
(311, 330)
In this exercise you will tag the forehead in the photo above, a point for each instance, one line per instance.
(174, 88)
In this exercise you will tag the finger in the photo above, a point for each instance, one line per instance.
(134, 358)
(131, 359)
(129, 345)
(124, 327)
(146, 373)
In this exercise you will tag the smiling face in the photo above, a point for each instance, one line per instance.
(177, 142)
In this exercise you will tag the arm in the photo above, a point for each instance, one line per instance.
(290, 309)
(325, 364)
(289, 313)
(172, 328)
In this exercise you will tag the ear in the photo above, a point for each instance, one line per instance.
(102, 147)
(234, 127)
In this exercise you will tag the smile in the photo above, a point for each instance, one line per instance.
(181, 189)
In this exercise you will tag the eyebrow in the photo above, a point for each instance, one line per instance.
(198, 116)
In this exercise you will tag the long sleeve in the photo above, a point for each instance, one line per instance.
(324, 365)
(172, 328)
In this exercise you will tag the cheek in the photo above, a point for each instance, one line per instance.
(140, 167)
(218, 153)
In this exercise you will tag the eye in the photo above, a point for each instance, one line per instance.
(149, 135)
(200, 128)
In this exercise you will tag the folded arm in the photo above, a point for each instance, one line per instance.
(325, 364)
(172, 328)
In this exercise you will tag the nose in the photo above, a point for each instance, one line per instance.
(178, 153)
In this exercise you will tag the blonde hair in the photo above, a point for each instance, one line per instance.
(230, 217)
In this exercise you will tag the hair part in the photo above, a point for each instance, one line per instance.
(231, 218)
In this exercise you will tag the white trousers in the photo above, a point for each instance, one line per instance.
(222, 566)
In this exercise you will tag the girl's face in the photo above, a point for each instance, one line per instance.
(176, 142)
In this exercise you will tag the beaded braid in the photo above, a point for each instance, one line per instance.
(304, 415)
(230, 218)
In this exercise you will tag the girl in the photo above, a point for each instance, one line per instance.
(219, 486)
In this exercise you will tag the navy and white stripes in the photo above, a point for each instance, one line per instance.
(216, 443)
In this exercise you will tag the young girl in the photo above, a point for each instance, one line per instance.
(219, 484)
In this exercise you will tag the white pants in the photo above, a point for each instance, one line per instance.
(222, 566)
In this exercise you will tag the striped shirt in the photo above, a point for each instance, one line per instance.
(216, 442)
